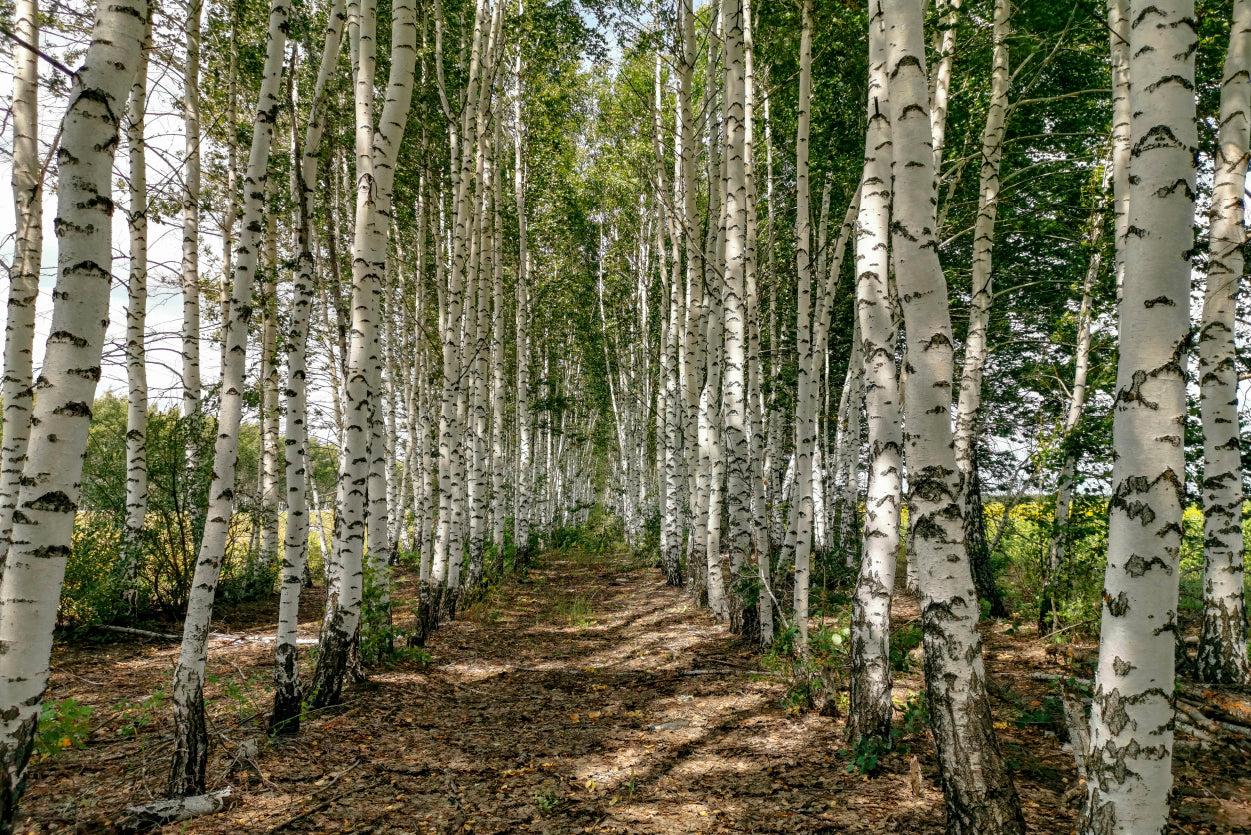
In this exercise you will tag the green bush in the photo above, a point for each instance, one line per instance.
(63, 724)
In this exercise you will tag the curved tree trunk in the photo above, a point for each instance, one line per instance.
(1131, 720)
(377, 151)
(976, 345)
(870, 710)
(43, 521)
(190, 758)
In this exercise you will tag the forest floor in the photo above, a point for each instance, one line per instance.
(586, 696)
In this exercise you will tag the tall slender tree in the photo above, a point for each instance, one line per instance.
(1222, 656)
(190, 760)
(977, 786)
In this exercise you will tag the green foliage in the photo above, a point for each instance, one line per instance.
(916, 715)
(1023, 548)
(814, 677)
(548, 800)
(1050, 712)
(902, 642)
(866, 755)
(63, 724)
(379, 640)
(178, 484)
(139, 715)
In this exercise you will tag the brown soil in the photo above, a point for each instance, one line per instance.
(586, 697)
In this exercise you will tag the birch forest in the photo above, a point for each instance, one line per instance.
(563, 416)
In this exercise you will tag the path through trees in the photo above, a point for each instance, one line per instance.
(586, 696)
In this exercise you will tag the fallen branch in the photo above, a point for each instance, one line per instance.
(143, 633)
(154, 815)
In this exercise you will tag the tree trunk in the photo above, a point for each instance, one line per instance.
(285, 717)
(1066, 484)
(377, 151)
(16, 389)
(190, 758)
(1131, 721)
(136, 320)
(977, 786)
(806, 399)
(976, 345)
(191, 216)
(869, 709)
(43, 521)
(1222, 656)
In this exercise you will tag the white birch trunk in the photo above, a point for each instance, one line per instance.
(978, 789)
(805, 418)
(136, 321)
(190, 759)
(377, 150)
(191, 215)
(43, 521)
(870, 710)
(285, 716)
(17, 387)
(976, 346)
(1222, 656)
(1131, 719)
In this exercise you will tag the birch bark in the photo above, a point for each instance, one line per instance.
(976, 346)
(191, 216)
(1222, 656)
(285, 716)
(805, 418)
(1131, 720)
(136, 320)
(17, 387)
(980, 797)
(377, 151)
(43, 521)
(190, 759)
(870, 710)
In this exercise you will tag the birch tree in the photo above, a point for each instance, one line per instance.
(190, 759)
(285, 716)
(977, 345)
(16, 389)
(46, 505)
(1222, 656)
(870, 710)
(191, 215)
(377, 150)
(1131, 720)
(136, 321)
(806, 398)
(977, 787)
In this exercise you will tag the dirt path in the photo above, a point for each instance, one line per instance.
(585, 698)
